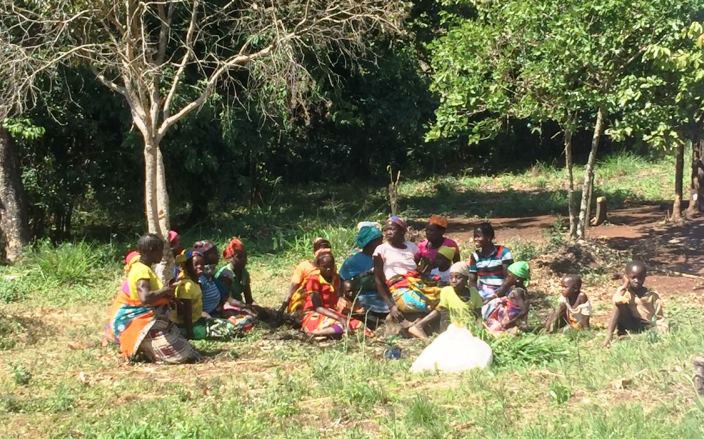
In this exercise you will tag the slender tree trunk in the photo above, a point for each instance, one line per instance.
(157, 205)
(584, 207)
(13, 214)
(571, 205)
(150, 197)
(696, 200)
(679, 168)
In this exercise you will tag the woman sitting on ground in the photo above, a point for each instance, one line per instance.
(357, 271)
(320, 315)
(397, 279)
(435, 239)
(140, 322)
(295, 297)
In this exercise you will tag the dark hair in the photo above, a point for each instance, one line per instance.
(577, 279)
(319, 243)
(149, 243)
(486, 229)
(636, 264)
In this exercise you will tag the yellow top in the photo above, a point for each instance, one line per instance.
(139, 271)
(189, 290)
(460, 311)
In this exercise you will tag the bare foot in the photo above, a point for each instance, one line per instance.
(417, 332)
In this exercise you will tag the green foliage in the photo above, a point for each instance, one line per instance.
(528, 350)
(20, 374)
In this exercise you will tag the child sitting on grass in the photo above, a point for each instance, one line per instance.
(574, 307)
(636, 308)
(189, 315)
(459, 303)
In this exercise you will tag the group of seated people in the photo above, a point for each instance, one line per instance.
(388, 280)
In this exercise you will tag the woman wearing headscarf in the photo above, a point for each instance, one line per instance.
(140, 321)
(397, 279)
(435, 240)
(357, 272)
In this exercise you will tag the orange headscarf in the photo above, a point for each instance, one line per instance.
(235, 246)
(438, 220)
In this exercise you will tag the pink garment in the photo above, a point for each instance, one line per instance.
(428, 252)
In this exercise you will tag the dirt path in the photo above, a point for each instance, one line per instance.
(642, 231)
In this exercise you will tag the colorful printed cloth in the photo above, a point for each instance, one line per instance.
(314, 321)
(427, 251)
(164, 343)
(137, 327)
(503, 311)
(412, 295)
(578, 316)
(359, 268)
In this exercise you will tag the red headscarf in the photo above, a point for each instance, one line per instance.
(235, 246)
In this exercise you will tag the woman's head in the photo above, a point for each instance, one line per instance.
(395, 230)
(235, 254)
(459, 275)
(368, 238)
(151, 248)
(325, 262)
(435, 230)
(186, 261)
(208, 250)
(484, 235)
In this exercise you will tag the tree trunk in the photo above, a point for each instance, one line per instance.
(679, 167)
(570, 185)
(696, 201)
(13, 214)
(150, 198)
(157, 205)
(584, 208)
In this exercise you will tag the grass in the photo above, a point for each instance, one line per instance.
(57, 381)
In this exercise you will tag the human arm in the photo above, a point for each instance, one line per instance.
(320, 309)
(383, 290)
(148, 297)
(247, 293)
(291, 289)
(186, 310)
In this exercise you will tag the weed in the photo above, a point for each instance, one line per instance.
(20, 374)
(559, 392)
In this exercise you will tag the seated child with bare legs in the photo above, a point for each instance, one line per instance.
(636, 308)
(574, 307)
(459, 303)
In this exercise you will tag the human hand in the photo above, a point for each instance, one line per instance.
(395, 313)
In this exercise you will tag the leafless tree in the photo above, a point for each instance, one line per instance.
(155, 53)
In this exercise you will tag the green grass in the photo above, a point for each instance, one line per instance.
(57, 381)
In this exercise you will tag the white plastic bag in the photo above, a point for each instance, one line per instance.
(455, 350)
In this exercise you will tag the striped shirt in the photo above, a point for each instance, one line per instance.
(211, 294)
(489, 269)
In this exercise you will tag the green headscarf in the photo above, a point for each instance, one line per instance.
(520, 269)
(366, 235)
